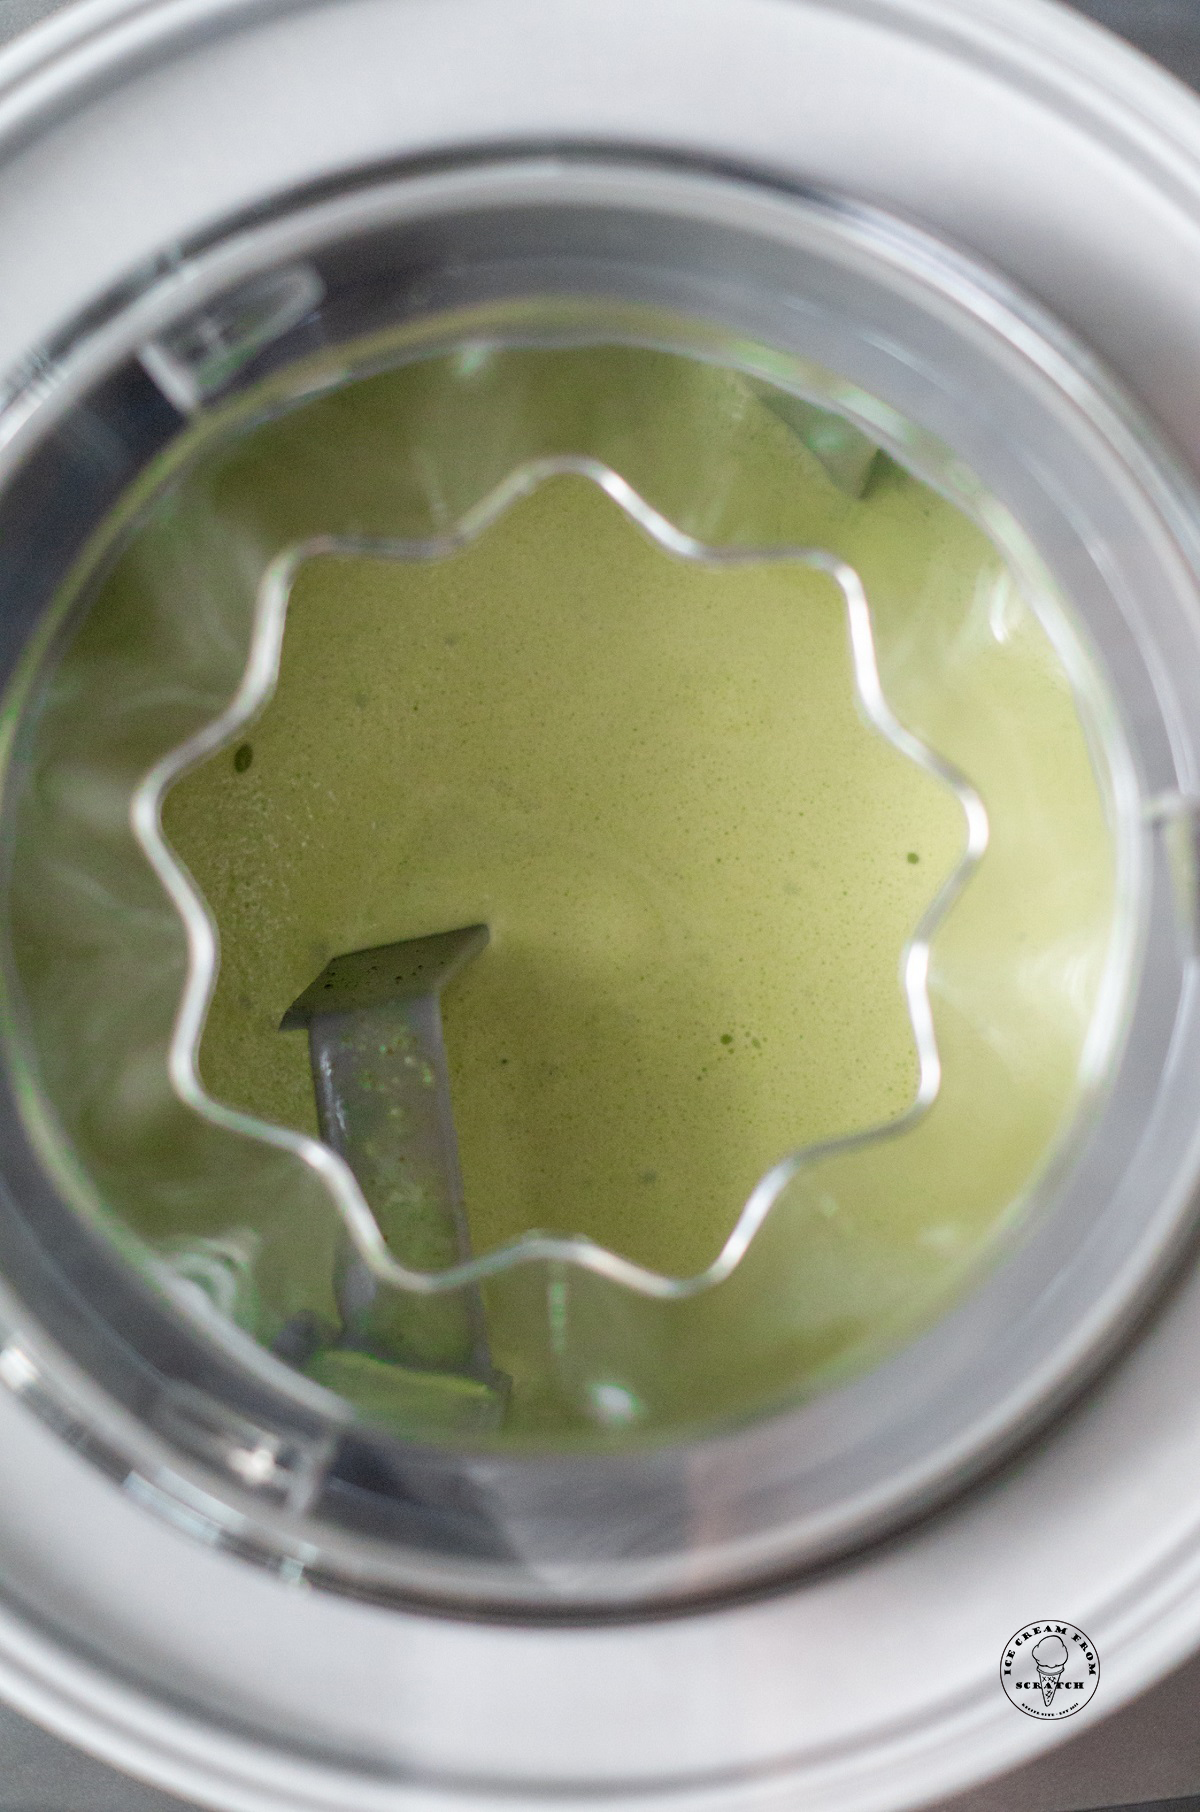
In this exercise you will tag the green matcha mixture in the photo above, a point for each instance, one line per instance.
(698, 862)
(650, 780)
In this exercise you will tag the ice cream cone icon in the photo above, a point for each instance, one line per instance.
(1050, 1657)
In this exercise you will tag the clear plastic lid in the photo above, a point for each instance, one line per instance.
(576, 885)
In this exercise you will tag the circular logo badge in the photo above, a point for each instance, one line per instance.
(1049, 1670)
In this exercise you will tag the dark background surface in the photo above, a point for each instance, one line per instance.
(1168, 30)
(1148, 1752)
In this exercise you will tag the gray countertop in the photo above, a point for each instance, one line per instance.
(1168, 30)
(1149, 1751)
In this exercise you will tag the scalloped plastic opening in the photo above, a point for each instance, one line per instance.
(703, 867)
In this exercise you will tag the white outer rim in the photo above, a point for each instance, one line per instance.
(1101, 1523)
